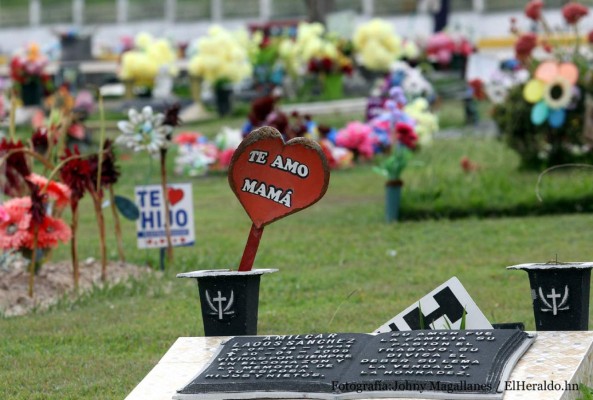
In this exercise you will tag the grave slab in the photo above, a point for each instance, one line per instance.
(555, 357)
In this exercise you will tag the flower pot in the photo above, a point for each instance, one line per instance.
(393, 190)
(32, 93)
(560, 294)
(229, 300)
(223, 95)
(332, 87)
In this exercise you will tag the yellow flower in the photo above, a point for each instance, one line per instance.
(377, 45)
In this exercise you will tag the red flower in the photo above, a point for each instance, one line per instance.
(14, 230)
(525, 45)
(109, 169)
(478, 89)
(590, 37)
(405, 135)
(55, 190)
(77, 174)
(225, 157)
(468, 165)
(187, 138)
(573, 12)
(326, 64)
(51, 231)
(533, 9)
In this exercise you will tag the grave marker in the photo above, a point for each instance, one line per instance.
(441, 364)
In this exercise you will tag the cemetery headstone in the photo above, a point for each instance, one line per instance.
(438, 364)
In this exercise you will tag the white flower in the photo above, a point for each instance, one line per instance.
(144, 131)
(195, 159)
(228, 138)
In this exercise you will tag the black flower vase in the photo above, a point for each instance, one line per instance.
(560, 295)
(31, 93)
(229, 300)
(223, 93)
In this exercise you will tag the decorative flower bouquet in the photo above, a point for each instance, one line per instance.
(544, 119)
(221, 59)
(448, 49)
(377, 46)
(141, 65)
(27, 71)
(319, 58)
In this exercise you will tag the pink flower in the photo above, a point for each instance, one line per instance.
(357, 137)
(3, 214)
(533, 9)
(55, 190)
(573, 12)
(23, 203)
(14, 231)
(225, 156)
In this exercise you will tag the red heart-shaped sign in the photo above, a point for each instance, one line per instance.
(174, 195)
(273, 179)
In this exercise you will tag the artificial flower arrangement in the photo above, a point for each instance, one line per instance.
(377, 46)
(318, 56)
(222, 58)
(27, 71)
(141, 65)
(31, 220)
(543, 119)
(448, 49)
(410, 79)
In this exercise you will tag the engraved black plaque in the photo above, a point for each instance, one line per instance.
(440, 363)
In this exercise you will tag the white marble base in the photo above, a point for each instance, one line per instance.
(555, 357)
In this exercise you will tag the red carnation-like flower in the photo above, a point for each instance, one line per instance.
(573, 12)
(109, 169)
(405, 135)
(590, 37)
(76, 173)
(525, 45)
(533, 9)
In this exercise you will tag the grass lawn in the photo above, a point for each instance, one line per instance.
(338, 271)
